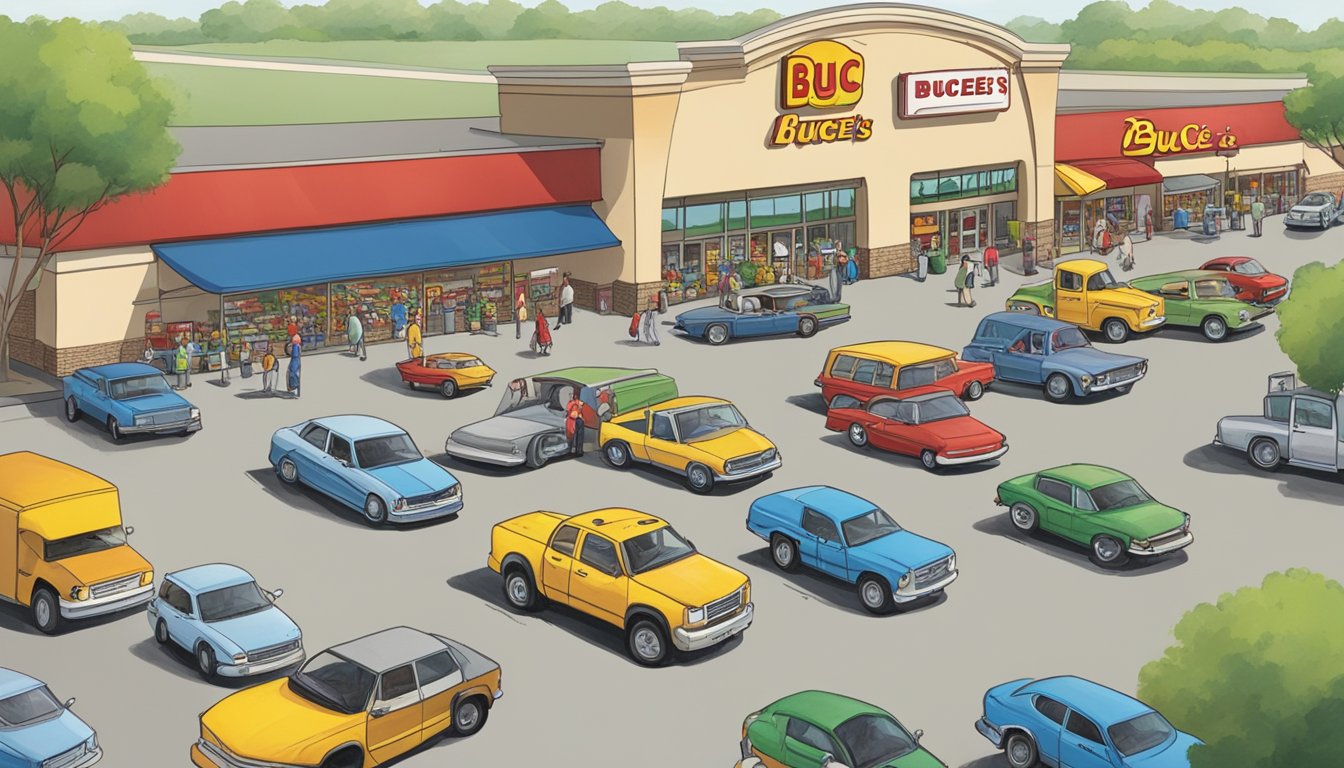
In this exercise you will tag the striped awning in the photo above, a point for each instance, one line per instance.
(1070, 181)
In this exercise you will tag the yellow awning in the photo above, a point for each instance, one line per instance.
(1070, 181)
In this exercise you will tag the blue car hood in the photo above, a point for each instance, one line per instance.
(906, 551)
(258, 630)
(1170, 756)
(158, 402)
(48, 738)
(1092, 361)
(704, 315)
(415, 478)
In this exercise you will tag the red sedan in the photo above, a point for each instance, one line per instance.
(936, 427)
(1253, 282)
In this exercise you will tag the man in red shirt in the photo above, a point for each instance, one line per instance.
(992, 265)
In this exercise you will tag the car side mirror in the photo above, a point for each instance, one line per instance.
(276, 594)
(130, 529)
(379, 711)
(919, 734)
(70, 702)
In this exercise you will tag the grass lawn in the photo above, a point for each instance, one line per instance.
(221, 96)
(454, 55)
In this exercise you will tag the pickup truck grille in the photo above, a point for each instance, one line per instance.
(68, 757)
(723, 606)
(273, 651)
(430, 499)
(116, 585)
(1124, 374)
(744, 463)
(171, 416)
(931, 574)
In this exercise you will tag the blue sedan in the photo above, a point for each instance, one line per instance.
(1054, 355)
(852, 539)
(230, 625)
(129, 398)
(768, 310)
(1078, 723)
(367, 464)
(37, 730)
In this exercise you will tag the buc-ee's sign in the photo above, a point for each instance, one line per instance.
(821, 75)
(953, 92)
(1143, 138)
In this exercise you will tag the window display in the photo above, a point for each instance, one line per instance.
(385, 305)
(267, 315)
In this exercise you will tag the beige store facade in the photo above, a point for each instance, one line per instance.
(860, 124)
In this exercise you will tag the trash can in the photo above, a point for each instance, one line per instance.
(937, 262)
(1180, 219)
(1211, 213)
(1028, 255)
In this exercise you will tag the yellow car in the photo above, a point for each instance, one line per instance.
(704, 439)
(358, 704)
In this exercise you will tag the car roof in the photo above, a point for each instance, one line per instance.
(1183, 274)
(1229, 260)
(389, 648)
(617, 523)
(1309, 391)
(32, 479)
(357, 426)
(12, 682)
(452, 356)
(834, 503)
(1103, 705)
(122, 370)
(824, 709)
(776, 290)
(686, 401)
(899, 352)
(1086, 476)
(203, 578)
(1085, 266)
(590, 376)
(1024, 320)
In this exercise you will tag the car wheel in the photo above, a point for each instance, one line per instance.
(114, 429)
(535, 458)
(1214, 328)
(1020, 751)
(1325, 222)
(699, 478)
(1108, 551)
(46, 611)
(161, 632)
(1115, 330)
(1264, 453)
(448, 388)
(875, 594)
(205, 662)
(71, 409)
(974, 391)
(520, 591)
(929, 459)
(349, 758)
(1024, 517)
(1058, 388)
(288, 470)
(858, 436)
(784, 552)
(716, 334)
(807, 326)
(647, 643)
(617, 454)
(470, 716)
(375, 510)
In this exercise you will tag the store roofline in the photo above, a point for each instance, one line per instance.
(1118, 81)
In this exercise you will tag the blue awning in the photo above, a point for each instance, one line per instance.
(258, 262)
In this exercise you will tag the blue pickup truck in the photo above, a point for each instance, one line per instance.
(129, 398)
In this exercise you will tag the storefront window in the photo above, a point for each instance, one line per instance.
(671, 219)
(704, 219)
(776, 211)
(714, 258)
(265, 316)
(449, 293)
(384, 304)
(1007, 235)
(924, 190)
(842, 203)
(935, 187)
(737, 214)
(671, 256)
(815, 202)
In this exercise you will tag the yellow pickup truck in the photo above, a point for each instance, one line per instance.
(627, 568)
(63, 550)
(1085, 293)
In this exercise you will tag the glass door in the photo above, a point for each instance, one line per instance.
(1070, 226)
(970, 229)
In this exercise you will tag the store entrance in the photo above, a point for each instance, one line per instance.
(970, 227)
(1070, 226)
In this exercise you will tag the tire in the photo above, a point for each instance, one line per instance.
(1214, 328)
(647, 643)
(161, 632)
(1115, 330)
(699, 478)
(784, 551)
(288, 471)
(205, 662)
(535, 459)
(1058, 388)
(71, 409)
(1264, 453)
(348, 758)
(46, 611)
(1020, 751)
(448, 388)
(929, 460)
(1024, 517)
(974, 391)
(716, 334)
(875, 594)
(617, 454)
(470, 716)
(520, 589)
(858, 436)
(807, 326)
(375, 510)
(1108, 552)
(114, 429)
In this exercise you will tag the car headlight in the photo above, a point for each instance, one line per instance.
(1140, 543)
(1143, 367)
(141, 421)
(952, 563)
(905, 580)
(147, 578)
(1186, 525)
(695, 615)
(92, 743)
(455, 491)
(1085, 380)
(79, 592)
(240, 658)
(195, 414)
(399, 504)
(1243, 315)
(1049, 311)
(770, 454)
(1102, 378)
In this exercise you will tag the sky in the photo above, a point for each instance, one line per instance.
(1306, 13)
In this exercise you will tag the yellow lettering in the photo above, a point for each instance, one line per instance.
(828, 130)
(786, 128)
(1140, 138)
(1168, 143)
(1186, 141)
(1205, 139)
(807, 132)
(865, 129)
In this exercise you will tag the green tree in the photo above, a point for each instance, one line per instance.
(1317, 112)
(251, 22)
(81, 124)
(1311, 327)
(548, 20)
(1035, 29)
(1258, 676)
(153, 29)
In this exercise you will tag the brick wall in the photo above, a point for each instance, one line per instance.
(1044, 232)
(626, 297)
(1329, 182)
(585, 294)
(72, 358)
(23, 343)
(886, 261)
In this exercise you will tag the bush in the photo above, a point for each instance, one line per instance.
(1311, 327)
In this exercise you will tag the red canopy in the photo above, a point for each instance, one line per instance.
(1119, 173)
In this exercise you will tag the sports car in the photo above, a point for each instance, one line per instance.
(128, 398)
(934, 426)
(1253, 282)
(447, 372)
(769, 310)
(1203, 299)
(816, 729)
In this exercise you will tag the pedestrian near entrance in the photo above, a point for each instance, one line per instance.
(354, 334)
(965, 281)
(1257, 217)
(648, 330)
(541, 337)
(574, 423)
(415, 338)
(216, 349)
(295, 364)
(519, 314)
(851, 267)
(398, 316)
(566, 303)
(182, 363)
(269, 366)
(1126, 253)
(992, 266)
(245, 360)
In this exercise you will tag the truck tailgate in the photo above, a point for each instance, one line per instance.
(536, 526)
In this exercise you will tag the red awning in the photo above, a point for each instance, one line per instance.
(1120, 173)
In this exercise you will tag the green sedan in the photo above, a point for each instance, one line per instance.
(815, 729)
(1099, 508)
(1203, 299)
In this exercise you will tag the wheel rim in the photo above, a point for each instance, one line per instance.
(114, 428)
(784, 553)
(717, 334)
(288, 470)
(468, 715)
(872, 594)
(71, 409)
(373, 509)
(161, 632)
(518, 590)
(647, 643)
(1115, 331)
(1019, 751)
(808, 326)
(1106, 549)
(203, 660)
(1215, 328)
(1058, 386)
(449, 389)
(42, 609)
(930, 461)
(1266, 453)
(699, 477)
(616, 454)
(857, 435)
(975, 390)
(1023, 517)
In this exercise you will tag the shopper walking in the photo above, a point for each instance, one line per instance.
(295, 364)
(965, 281)
(1257, 217)
(541, 337)
(574, 423)
(245, 360)
(397, 314)
(354, 334)
(519, 314)
(415, 338)
(566, 303)
(182, 363)
(648, 329)
(1126, 253)
(269, 366)
(837, 280)
(992, 266)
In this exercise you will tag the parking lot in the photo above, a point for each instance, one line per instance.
(1022, 607)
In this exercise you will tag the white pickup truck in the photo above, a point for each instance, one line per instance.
(1300, 426)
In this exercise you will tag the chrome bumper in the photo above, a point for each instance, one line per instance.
(1153, 322)
(270, 665)
(771, 466)
(937, 586)
(207, 755)
(1113, 385)
(696, 639)
(990, 732)
(83, 609)
(187, 425)
(944, 461)
(460, 451)
(1181, 543)
(426, 513)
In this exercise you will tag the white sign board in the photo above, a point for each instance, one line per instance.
(953, 92)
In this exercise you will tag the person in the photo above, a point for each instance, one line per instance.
(574, 423)
(1126, 253)
(734, 281)
(992, 266)
(837, 281)
(725, 268)
(1098, 234)
(852, 267)
(268, 368)
(519, 314)
(398, 315)
(295, 363)
(148, 355)
(566, 303)
(965, 276)
(648, 329)
(182, 363)
(215, 350)
(245, 360)
(415, 338)
(1257, 217)
(541, 337)
(354, 334)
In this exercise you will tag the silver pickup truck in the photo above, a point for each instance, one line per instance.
(1300, 426)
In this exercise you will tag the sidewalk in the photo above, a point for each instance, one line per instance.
(28, 385)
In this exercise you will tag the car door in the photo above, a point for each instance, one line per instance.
(175, 608)
(1070, 299)
(1084, 523)
(894, 427)
(752, 319)
(1312, 438)
(1023, 359)
(397, 715)
(1057, 498)
(558, 563)
(806, 745)
(829, 549)
(662, 446)
(778, 319)
(349, 481)
(95, 401)
(597, 585)
(634, 431)
(310, 450)
(1176, 295)
(1081, 744)
(440, 678)
(1046, 720)
(322, 474)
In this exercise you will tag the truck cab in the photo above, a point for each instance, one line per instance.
(63, 549)
(1300, 426)
(1085, 293)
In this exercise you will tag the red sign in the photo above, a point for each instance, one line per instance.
(1097, 135)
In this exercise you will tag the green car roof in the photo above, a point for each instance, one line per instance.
(1086, 476)
(588, 376)
(824, 709)
(1184, 274)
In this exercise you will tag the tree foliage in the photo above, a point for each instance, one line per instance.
(1317, 112)
(1258, 676)
(1311, 327)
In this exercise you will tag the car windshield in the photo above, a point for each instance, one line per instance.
(138, 386)
(655, 549)
(27, 707)
(708, 421)
(1125, 493)
(84, 543)
(551, 394)
(1250, 267)
(386, 450)
(874, 739)
(455, 363)
(1140, 734)
(1317, 198)
(1214, 289)
(1106, 279)
(334, 682)
(873, 524)
(1068, 338)
(731, 303)
(231, 602)
(942, 407)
